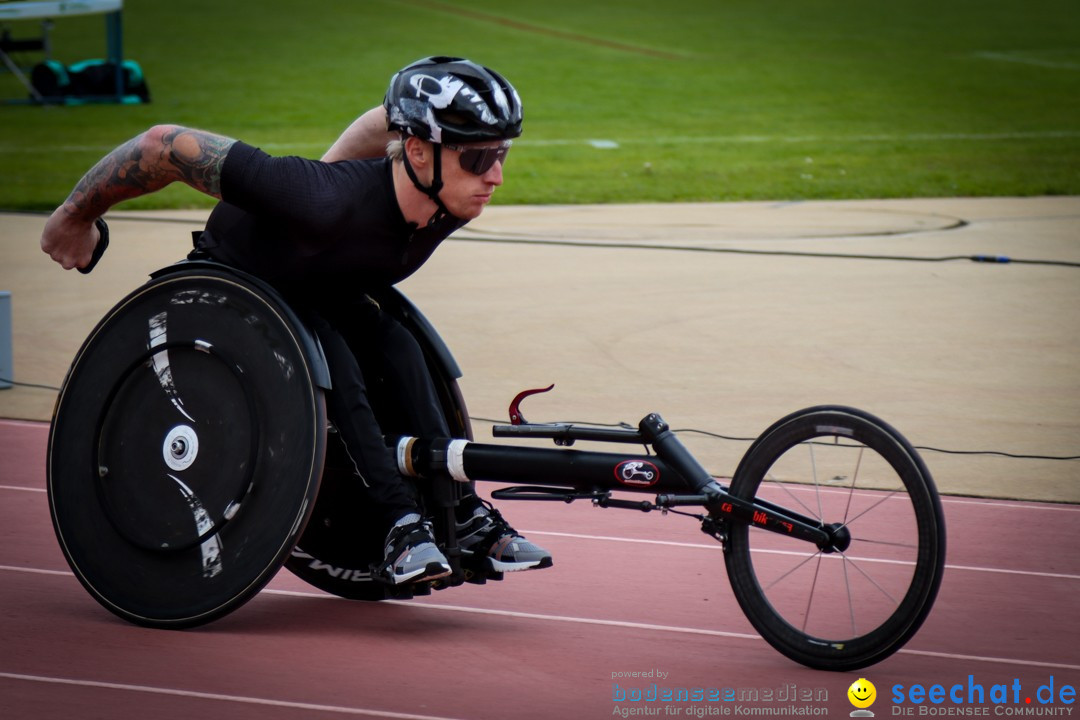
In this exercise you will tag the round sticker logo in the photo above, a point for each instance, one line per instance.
(639, 473)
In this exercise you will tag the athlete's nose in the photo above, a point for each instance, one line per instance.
(494, 174)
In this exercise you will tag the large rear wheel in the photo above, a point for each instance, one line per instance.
(186, 449)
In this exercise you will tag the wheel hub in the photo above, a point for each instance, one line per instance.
(839, 538)
(181, 447)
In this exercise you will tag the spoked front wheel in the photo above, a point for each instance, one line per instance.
(856, 602)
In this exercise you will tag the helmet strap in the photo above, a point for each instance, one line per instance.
(432, 191)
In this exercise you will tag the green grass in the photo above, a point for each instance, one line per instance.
(706, 99)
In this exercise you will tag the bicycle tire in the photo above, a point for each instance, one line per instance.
(897, 531)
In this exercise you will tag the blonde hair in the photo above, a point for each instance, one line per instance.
(395, 149)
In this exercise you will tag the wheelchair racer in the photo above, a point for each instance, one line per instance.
(326, 233)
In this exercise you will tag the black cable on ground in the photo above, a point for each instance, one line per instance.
(998, 453)
(986, 259)
(29, 385)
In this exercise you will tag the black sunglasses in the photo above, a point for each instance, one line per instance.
(478, 160)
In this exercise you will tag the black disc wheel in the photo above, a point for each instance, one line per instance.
(858, 598)
(186, 449)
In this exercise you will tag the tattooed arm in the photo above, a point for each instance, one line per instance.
(160, 156)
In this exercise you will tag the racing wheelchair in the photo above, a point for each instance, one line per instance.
(190, 458)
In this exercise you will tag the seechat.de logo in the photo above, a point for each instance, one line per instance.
(973, 698)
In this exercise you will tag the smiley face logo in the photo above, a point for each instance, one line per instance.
(862, 693)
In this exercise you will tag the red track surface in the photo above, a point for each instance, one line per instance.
(628, 593)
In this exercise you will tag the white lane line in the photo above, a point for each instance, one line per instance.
(671, 543)
(560, 618)
(615, 623)
(716, 546)
(770, 139)
(671, 629)
(704, 546)
(36, 571)
(668, 628)
(1020, 505)
(247, 700)
(980, 658)
(990, 502)
(318, 147)
(1026, 60)
(945, 499)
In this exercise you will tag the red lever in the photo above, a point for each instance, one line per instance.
(516, 418)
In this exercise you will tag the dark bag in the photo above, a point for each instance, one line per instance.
(89, 79)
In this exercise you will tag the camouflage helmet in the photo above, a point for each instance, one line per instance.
(452, 100)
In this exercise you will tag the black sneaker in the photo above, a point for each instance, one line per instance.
(411, 555)
(487, 540)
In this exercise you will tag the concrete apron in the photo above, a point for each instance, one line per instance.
(634, 309)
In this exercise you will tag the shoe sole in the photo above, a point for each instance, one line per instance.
(433, 571)
(505, 567)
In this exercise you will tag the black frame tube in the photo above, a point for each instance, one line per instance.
(549, 466)
(601, 471)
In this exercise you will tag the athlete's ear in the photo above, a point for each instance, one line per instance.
(419, 152)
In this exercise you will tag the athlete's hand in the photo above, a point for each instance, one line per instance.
(69, 240)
